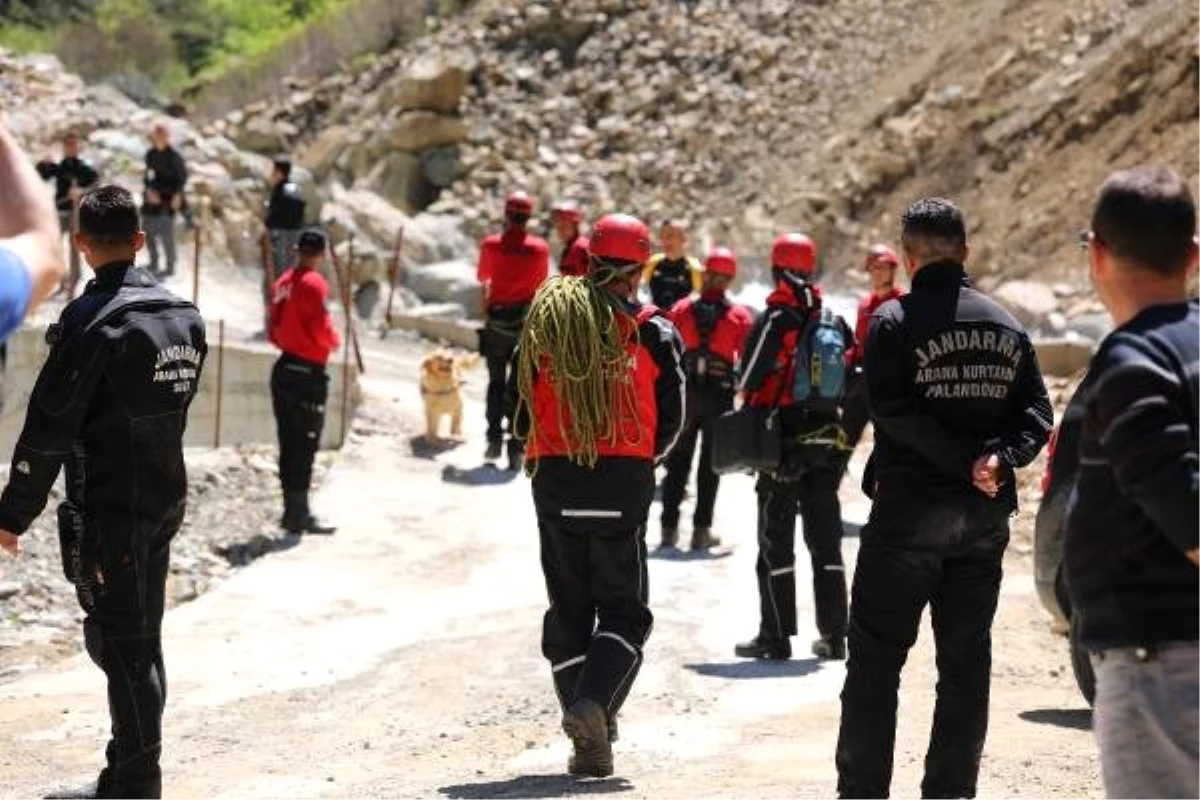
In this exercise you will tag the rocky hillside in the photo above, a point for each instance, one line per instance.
(227, 184)
(754, 116)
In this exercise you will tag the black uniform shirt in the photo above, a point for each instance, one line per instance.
(950, 376)
(285, 209)
(166, 174)
(68, 172)
(111, 401)
(1133, 514)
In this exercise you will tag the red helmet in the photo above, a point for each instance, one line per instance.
(794, 251)
(721, 261)
(518, 203)
(620, 236)
(567, 210)
(881, 252)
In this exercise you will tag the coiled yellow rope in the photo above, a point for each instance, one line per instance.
(574, 338)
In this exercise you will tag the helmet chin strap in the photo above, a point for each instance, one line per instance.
(795, 283)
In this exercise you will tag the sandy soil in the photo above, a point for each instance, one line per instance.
(400, 658)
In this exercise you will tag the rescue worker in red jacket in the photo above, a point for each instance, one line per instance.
(512, 265)
(601, 400)
(809, 473)
(567, 219)
(301, 327)
(881, 266)
(713, 331)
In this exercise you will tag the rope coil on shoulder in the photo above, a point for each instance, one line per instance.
(575, 337)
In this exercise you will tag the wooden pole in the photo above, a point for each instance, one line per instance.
(196, 265)
(393, 279)
(220, 381)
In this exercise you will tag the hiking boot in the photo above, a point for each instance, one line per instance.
(830, 648)
(765, 647)
(314, 525)
(587, 727)
(703, 539)
(612, 730)
(493, 451)
(670, 536)
(297, 518)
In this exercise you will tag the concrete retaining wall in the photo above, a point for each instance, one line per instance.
(246, 414)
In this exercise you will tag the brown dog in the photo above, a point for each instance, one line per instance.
(441, 379)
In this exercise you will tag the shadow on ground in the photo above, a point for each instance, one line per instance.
(680, 554)
(239, 554)
(483, 475)
(754, 668)
(537, 786)
(423, 448)
(1076, 719)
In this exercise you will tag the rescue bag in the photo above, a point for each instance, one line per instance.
(820, 359)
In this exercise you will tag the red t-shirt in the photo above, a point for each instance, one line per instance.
(512, 266)
(574, 260)
(300, 323)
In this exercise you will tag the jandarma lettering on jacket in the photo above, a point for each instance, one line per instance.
(1006, 344)
(175, 354)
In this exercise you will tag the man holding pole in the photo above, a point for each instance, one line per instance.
(300, 326)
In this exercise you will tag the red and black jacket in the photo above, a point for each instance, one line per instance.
(300, 324)
(866, 307)
(714, 334)
(617, 491)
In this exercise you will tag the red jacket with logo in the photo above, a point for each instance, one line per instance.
(574, 259)
(512, 265)
(646, 432)
(728, 334)
(300, 323)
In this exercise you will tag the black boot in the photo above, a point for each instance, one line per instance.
(703, 539)
(493, 450)
(670, 536)
(298, 519)
(765, 647)
(830, 648)
(516, 455)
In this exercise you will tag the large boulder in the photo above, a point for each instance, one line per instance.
(1031, 302)
(1064, 356)
(447, 282)
(433, 82)
(321, 155)
(414, 131)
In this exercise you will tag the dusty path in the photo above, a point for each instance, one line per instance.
(400, 658)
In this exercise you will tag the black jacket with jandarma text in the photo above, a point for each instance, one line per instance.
(950, 376)
(111, 404)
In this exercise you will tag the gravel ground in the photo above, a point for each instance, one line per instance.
(233, 504)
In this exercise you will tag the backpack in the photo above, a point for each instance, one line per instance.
(820, 360)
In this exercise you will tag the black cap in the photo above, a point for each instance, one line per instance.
(311, 241)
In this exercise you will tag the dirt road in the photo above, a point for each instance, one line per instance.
(400, 658)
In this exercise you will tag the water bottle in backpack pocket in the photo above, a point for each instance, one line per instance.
(820, 360)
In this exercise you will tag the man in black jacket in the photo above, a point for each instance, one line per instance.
(164, 181)
(958, 403)
(71, 176)
(111, 404)
(1131, 543)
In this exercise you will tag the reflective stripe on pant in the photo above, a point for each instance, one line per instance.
(814, 495)
(299, 390)
(598, 619)
(122, 631)
(893, 582)
(1146, 719)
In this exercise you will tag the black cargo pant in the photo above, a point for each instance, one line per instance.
(497, 343)
(299, 389)
(899, 572)
(121, 583)
(599, 617)
(812, 491)
(705, 405)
